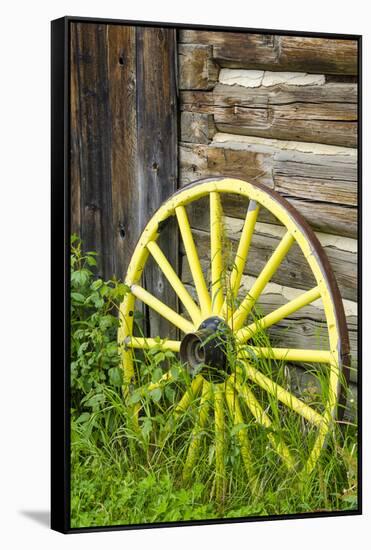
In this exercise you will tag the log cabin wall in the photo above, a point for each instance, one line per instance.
(124, 145)
(281, 111)
(278, 110)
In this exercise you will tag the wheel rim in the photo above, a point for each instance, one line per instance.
(228, 396)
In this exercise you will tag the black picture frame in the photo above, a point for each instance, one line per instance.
(60, 272)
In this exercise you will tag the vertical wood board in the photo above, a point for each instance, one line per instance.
(124, 143)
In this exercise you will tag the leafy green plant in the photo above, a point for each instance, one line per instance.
(94, 323)
(125, 472)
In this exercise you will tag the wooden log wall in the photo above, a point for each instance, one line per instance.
(124, 144)
(281, 111)
(278, 110)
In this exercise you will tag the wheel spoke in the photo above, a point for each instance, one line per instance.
(219, 441)
(186, 400)
(193, 261)
(283, 395)
(162, 309)
(288, 354)
(194, 445)
(216, 230)
(280, 313)
(320, 441)
(262, 418)
(175, 282)
(317, 448)
(126, 328)
(236, 414)
(264, 277)
(167, 377)
(149, 343)
(189, 395)
(242, 254)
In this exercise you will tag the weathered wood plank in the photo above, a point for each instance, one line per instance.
(157, 151)
(327, 54)
(323, 114)
(75, 196)
(294, 177)
(320, 181)
(200, 161)
(196, 127)
(122, 103)
(349, 79)
(197, 70)
(294, 271)
(327, 217)
(91, 131)
(280, 53)
(124, 144)
(322, 124)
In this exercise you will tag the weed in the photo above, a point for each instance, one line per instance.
(129, 448)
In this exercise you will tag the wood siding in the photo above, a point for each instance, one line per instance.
(153, 109)
(124, 143)
(277, 53)
(282, 111)
(323, 114)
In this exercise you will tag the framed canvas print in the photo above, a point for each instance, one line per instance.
(205, 275)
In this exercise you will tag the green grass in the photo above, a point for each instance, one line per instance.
(123, 472)
(121, 475)
(113, 490)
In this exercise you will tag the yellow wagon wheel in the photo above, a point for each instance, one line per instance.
(238, 390)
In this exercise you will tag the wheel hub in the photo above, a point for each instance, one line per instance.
(205, 351)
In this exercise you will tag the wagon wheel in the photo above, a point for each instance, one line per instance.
(238, 390)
